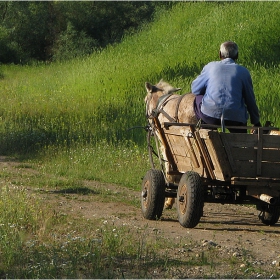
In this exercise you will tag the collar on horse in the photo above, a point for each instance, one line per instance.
(162, 102)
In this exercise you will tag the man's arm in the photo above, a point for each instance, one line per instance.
(250, 101)
(199, 84)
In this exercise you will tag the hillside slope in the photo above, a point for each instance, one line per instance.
(101, 96)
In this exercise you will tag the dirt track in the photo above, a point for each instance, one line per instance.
(234, 230)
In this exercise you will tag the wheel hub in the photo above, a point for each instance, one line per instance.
(145, 193)
(182, 195)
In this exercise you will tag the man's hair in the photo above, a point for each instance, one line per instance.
(229, 49)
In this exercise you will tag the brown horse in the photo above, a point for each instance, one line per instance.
(171, 107)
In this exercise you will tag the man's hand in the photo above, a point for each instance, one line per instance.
(255, 131)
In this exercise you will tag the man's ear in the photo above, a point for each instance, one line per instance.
(220, 55)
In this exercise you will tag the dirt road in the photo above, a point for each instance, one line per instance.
(240, 245)
(230, 238)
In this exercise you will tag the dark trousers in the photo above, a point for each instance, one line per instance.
(209, 120)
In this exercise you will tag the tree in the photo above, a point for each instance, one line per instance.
(47, 30)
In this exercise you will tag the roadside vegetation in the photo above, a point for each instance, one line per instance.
(79, 120)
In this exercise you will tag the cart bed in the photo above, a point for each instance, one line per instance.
(224, 156)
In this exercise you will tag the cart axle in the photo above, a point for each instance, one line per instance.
(266, 198)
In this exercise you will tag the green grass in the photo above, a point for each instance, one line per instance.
(120, 164)
(37, 243)
(101, 97)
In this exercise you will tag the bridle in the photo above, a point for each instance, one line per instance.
(160, 105)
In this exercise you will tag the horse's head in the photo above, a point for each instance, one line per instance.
(154, 92)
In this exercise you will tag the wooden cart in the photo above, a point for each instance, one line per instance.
(207, 165)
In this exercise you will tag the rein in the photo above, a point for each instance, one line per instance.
(177, 106)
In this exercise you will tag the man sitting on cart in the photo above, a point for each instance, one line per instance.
(224, 89)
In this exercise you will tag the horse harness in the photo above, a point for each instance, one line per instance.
(162, 102)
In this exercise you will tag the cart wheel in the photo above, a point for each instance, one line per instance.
(153, 194)
(270, 216)
(190, 199)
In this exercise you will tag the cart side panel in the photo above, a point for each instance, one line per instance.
(201, 151)
(224, 155)
(271, 141)
(253, 155)
(184, 150)
(271, 155)
(217, 154)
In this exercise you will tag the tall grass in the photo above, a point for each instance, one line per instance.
(101, 96)
(37, 242)
(123, 164)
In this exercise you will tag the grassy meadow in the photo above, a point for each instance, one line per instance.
(72, 119)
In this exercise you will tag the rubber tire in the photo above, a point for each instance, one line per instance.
(190, 199)
(153, 194)
(270, 217)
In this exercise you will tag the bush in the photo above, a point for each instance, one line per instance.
(72, 43)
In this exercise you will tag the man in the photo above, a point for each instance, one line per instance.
(225, 88)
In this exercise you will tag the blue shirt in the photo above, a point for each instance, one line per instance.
(227, 89)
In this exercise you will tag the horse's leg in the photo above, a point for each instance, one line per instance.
(169, 202)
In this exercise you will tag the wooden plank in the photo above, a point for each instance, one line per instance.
(227, 147)
(262, 181)
(194, 159)
(259, 152)
(165, 144)
(217, 154)
(251, 140)
(205, 156)
(271, 141)
(176, 130)
(184, 166)
(204, 133)
(176, 150)
(222, 158)
(212, 126)
(248, 169)
(241, 153)
(271, 155)
(216, 166)
(271, 169)
(182, 151)
(245, 169)
(194, 151)
(198, 156)
(177, 144)
(240, 139)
